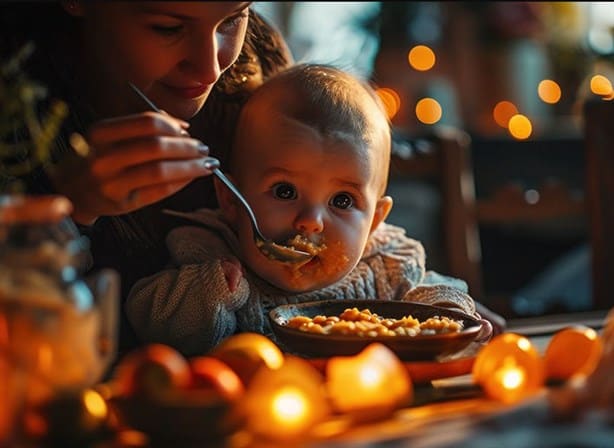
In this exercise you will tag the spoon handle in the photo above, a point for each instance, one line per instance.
(239, 196)
(144, 98)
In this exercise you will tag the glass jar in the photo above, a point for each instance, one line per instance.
(58, 327)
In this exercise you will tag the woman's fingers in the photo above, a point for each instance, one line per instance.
(153, 174)
(146, 124)
(131, 162)
(151, 194)
(131, 153)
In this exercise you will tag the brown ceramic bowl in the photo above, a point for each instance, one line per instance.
(407, 348)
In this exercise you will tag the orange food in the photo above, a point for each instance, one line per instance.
(246, 352)
(213, 374)
(355, 322)
(572, 351)
(299, 242)
(153, 370)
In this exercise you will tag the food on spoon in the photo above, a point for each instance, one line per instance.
(355, 322)
(300, 242)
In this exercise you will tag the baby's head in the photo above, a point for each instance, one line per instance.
(311, 155)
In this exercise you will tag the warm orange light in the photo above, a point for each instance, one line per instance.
(373, 379)
(549, 91)
(289, 406)
(428, 111)
(520, 127)
(572, 351)
(507, 383)
(509, 368)
(390, 99)
(421, 58)
(503, 111)
(600, 85)
(94, 404)
(285, 403)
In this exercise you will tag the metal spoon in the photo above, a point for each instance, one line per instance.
(271, 249)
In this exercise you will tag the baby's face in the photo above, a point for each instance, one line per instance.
(299, 182)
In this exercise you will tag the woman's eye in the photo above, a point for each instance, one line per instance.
(233, 22)
(284, 191)
(342, 201)
(167, 30)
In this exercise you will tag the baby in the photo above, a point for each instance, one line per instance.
(311, 156)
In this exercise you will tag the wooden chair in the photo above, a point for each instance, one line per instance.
(599, 136)
(442, 158)
(470, 203)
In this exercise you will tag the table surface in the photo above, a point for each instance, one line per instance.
(453, 412)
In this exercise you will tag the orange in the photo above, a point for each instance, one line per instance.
(509, 368)
(154, 370)
(573, 351)
(246, 352)
(209, 373)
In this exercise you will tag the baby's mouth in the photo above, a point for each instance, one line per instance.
(302, 243)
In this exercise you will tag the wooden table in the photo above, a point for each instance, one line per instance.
(453, 412)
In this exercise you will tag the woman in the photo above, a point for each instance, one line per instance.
(197, 61)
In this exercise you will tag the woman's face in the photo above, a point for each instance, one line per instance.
(173, 51)
(300, 182)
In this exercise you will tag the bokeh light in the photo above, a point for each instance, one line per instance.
(549, 91)
(428, 111)
(600, 85)
(390, 99)
(520, 127)
(503, 111)
(421, 58)
(509, 368)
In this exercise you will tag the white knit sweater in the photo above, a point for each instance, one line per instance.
(190, 307)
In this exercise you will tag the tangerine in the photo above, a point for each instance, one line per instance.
(572, 351)
(155, 370)
(246, 352)
(509, 368)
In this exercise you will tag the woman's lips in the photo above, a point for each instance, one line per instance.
(188, 92)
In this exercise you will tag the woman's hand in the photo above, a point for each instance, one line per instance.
(132, 162)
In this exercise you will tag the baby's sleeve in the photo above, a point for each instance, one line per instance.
(442, 295)
(189, 305)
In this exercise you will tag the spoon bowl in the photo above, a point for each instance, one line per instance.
(271, 249)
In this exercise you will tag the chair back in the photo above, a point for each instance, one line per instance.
(599, 146)
(534, 189)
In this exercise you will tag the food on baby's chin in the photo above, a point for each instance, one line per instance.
(330, 261)
(300, 242)
(355, 322)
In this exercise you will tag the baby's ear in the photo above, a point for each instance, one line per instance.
(225, 199)
(382, 209)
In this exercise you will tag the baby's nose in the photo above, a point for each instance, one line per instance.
(309, 221)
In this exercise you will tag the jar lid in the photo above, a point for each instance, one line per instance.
(31, 209)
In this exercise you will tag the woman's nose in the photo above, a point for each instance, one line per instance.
(201, 58)
(309, 221)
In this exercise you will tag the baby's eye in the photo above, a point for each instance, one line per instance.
(342, 201)
(284, 191)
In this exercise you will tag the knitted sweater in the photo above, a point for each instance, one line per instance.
(189, 305)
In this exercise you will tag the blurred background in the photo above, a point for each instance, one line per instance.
(506, 83)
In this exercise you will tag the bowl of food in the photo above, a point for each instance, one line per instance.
(414, 331)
